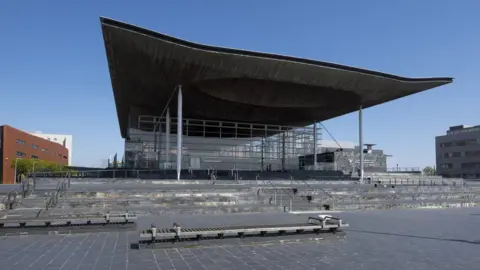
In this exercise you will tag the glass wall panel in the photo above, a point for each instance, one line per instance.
(217, 144)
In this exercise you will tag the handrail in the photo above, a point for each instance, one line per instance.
(321, 189)
(19, 190)
(53, 200)
(310, 187)
(6, 196)
(276, 189)
(9, 195)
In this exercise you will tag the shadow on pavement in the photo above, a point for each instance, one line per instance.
(474, 242)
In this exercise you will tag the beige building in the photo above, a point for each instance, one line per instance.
(65, 140)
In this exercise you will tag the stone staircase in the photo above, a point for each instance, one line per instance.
(150, 197)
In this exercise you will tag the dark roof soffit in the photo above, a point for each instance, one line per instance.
(129, 27)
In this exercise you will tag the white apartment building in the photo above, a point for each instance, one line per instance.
(65, 140)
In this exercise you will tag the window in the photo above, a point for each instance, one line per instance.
(467, 142)
(20, 141)
(456, 154)
(472, 153)
(34, 146)
(470, 165)
(20, 154)
(446, 144)
(461, 143)
(446, 165)
(34, 157)
(472, 142)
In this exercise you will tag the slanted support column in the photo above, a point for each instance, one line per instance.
(360, 141)
(179, 131)
(315, 146)
(167, 139)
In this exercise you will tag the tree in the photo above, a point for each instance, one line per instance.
(428, 171)
(25, 166)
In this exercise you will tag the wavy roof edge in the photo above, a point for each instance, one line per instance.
(182, 42)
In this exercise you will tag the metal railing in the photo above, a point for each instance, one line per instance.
(404, 169)
(281, 191)
(415, 182)
(193, 174)
(24, 190)
(314, 190)
(59, 191)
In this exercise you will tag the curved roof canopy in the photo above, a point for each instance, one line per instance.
(236, 85)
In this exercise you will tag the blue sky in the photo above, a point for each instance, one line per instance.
(54, 76)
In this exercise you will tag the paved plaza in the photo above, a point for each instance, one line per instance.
(395, 239)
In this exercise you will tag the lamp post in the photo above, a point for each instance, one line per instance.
(6, 163)
(34, 176)
(15, 171)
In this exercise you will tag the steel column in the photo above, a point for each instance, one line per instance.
(167, 139)
(315, 146)
(360, 141)
(179, 131)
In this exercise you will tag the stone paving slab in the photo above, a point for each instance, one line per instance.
(407, 239)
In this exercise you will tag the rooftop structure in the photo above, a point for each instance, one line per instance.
(345, 156)
(336, 144)
(65, 140)
(231, 87)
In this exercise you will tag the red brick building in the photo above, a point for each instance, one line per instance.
(15, 144)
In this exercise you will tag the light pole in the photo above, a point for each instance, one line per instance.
(33, 174)
(6, 164)
(15, 172)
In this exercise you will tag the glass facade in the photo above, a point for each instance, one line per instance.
(217, 144)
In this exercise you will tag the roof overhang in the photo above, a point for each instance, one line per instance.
(236, 85)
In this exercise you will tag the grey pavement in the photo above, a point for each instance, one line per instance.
(395, 239)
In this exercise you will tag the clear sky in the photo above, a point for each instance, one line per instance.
(54, 76)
